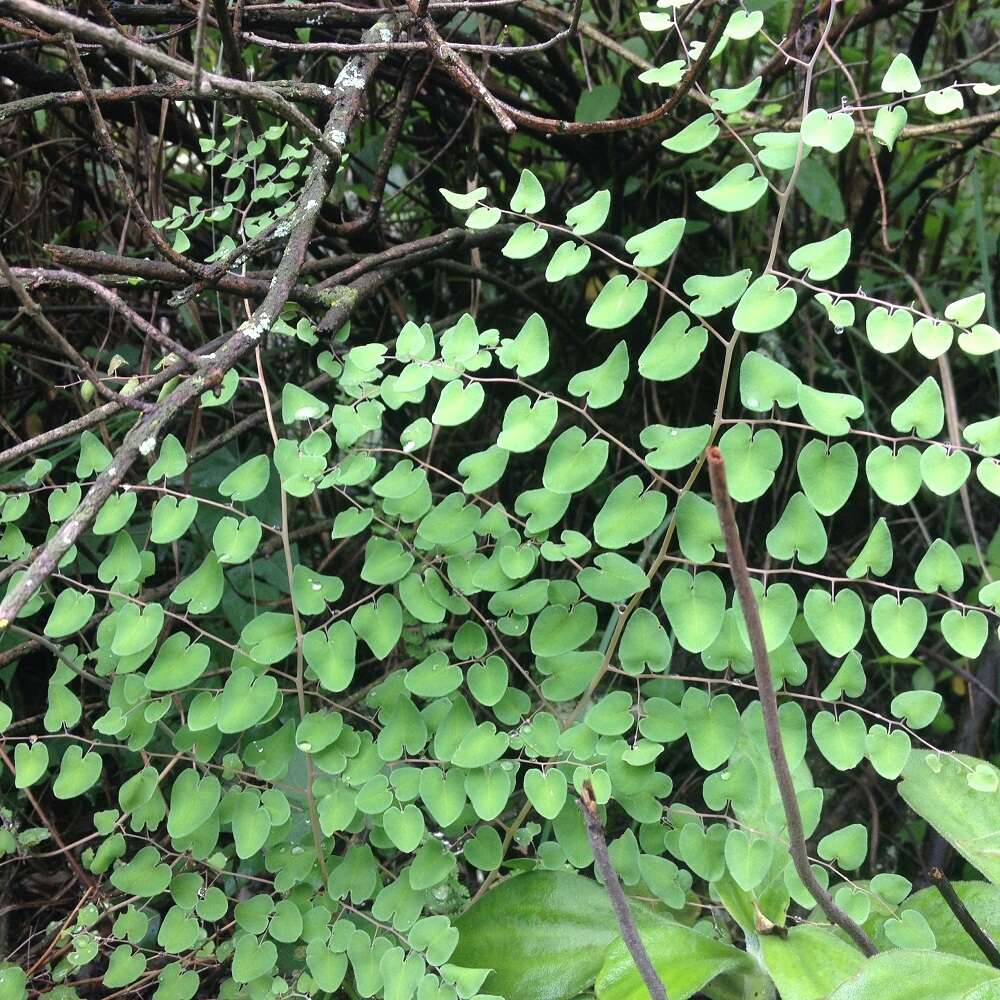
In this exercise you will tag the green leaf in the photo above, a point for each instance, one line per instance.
(888, 331)
(546, 791)
(743, 25)
(684, 959)
(764, 383)
(712, 725)
(779, 150)
(597, 103)
(727, 101)
(825, 259)
(938, 788)
(70, 612)
(829, 412)
(777, 607)
(299, 404)
(559, 629)
(77, 772)
(115, 513)
(245, 700)
(528, 352)
(988, 474)
(710, 294)
(944, 471)
(751, 460)
(887, 751)
(965, 633)
(629, 515)
(618, 302)
(898, 626)
(172, 460)
(915, 975)
(699, 532)
(799, 533)
(544, 935)
(944, 101)
(922, 412)
(654, 246)
(379, 624)
(894, 476)
(136, 628)
(695, 606)
(901, 77)
(889, 124)
(202, 590)
(808, 962)
(985, 435)
(837, 623)
(529, 197)
(841, 740)
(484, 217)
(693, 138)
(673, 447)
(192, 801)
(235, 540)
(736, 191)
(981, 340)
(667, 75)
(589, 216)
(573, 462)
(458, 403)
(820, 190)
(463, 202)
(875, 555)
(604, 384)
(248, 480)
(847, 847)
(827, 130)
(526, 425)
(570, 258)
(527, 240)
(918, 708)
(966, 311)
(172, 518)
(31, 761)
(827, 474)
(674, 349)
(939, 569)
(612, 579)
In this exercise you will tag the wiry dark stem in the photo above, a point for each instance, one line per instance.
(984, 942)
(769, 706)
(626, 922)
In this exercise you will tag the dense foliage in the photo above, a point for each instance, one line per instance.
(378, 387)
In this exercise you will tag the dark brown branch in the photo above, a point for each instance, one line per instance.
(769, 707)
(164, 273)
(143, 436)
(34, 310)
(983, 941)
(623, 913)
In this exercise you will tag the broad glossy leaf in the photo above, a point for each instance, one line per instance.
(939, 789)
(543, 933)
(916, 975)
(684, 959)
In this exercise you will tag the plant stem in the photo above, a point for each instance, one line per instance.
(623, 913)
(769, 706)
(983, 941)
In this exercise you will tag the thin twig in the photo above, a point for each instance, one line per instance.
(984, 942)
(769, 706)
(623, 913)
